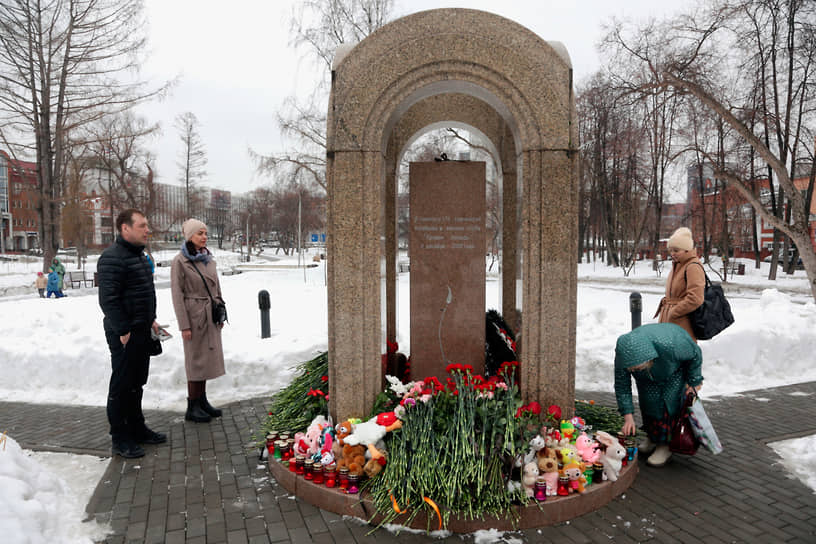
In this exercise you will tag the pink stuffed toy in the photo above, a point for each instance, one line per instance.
(308, 443)
(587, 449)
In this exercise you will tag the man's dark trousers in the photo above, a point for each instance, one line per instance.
(129, 368)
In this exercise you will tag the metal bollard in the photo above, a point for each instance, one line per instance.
(636, 307)
(264, 305)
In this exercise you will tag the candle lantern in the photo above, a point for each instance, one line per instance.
(352, 484)
(317, 470)
(343, 479)
(597, 473)
(588, 470)
(540, 492)
(631, 448)
(563, 485)
(331, 475)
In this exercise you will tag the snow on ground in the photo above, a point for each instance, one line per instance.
(37, 502)
(798, 458)
(54, 351)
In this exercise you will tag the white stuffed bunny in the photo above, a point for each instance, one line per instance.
(612, 458)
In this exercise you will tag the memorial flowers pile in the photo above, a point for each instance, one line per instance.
(295, 406)
(463, 465)
(459, 448)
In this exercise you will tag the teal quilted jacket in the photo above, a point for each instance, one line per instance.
(677, 361)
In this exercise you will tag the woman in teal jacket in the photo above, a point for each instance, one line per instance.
(665, 363)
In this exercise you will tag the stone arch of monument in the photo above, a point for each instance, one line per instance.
(490, 73)
(443, 111)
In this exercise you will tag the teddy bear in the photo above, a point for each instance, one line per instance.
(612, 458)
(548, 468)
(341, 431)
(528, 479)
(375, 465)
(575, 472)
(353, 459)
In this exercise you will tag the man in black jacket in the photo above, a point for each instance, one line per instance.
(128, 300)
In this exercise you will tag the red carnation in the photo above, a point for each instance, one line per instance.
(454, 367)
(555, 411)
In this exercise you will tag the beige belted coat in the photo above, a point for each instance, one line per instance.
(685, 288)
(203, 354)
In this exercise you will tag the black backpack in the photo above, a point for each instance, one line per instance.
(712, 316)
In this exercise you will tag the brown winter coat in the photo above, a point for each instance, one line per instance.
(685, 287)
(41, 282)
(203, 354)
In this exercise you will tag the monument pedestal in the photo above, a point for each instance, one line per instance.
(553, 510)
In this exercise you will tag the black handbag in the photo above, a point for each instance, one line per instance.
(219, 309)
(712, 316)
(154, 347)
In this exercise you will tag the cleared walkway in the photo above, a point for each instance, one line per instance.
(206, 485)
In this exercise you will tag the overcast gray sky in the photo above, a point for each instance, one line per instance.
(236, 66)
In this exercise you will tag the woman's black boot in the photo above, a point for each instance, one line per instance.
(209, 408)
(195, 412)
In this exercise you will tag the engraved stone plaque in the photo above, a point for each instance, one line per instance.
(447, 245)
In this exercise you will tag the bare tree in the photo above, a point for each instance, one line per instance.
(285, 205)
(614, 173)
(118, 148)
(63, 64)
(192, 159)
(659, 109)
(318, 27)
(707, 61)
(77, 225)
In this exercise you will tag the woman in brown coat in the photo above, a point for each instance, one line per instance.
(685, 285)
(203, 354)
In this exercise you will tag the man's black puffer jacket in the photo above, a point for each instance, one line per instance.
(126, 292)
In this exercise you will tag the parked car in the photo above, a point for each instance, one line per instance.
(781, 261)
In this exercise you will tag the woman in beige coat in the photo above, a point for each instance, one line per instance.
(685, 285)
(203, 354)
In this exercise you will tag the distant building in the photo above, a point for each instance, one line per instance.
(19, 203)
(738, 211)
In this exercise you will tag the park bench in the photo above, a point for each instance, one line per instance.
(78, 278)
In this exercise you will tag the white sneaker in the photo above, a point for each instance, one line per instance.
(660, 457)
(646, 446)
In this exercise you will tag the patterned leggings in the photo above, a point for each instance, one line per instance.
(658, 429)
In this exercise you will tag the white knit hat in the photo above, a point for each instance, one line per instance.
(190, 227)
(681, 239)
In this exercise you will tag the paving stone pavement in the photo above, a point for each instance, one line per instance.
(206, 485)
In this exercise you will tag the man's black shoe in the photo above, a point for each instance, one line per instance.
(127, 449)
(148, 436)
